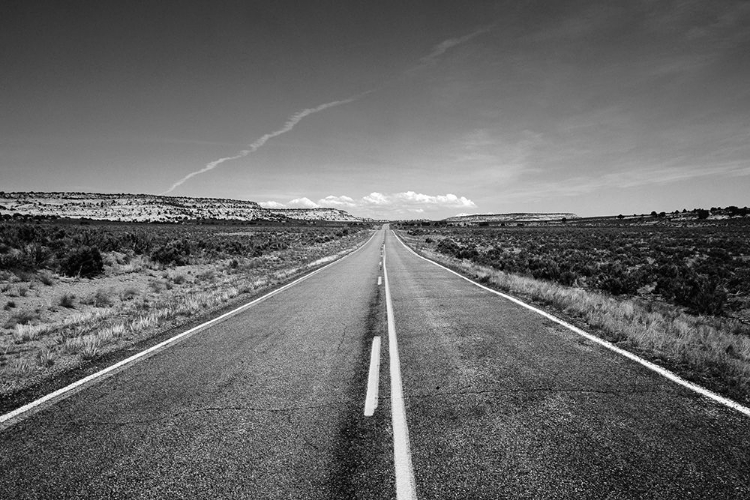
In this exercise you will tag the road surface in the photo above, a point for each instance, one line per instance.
(499, 402)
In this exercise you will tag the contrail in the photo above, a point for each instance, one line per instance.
(289, 125)
(443, 46)
(293, 120)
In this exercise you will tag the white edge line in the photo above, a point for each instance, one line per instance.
(17, 415)
(405, 484)
(651, 366)
(373, 381)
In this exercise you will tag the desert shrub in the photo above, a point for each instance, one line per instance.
(46, 278)
(702, 295)
(129, 293)
(9, 305)
(102, 298)
(22, 318)
(85, 262)
(176, 252)
(67, 300)
(178, 279)
(448, 247)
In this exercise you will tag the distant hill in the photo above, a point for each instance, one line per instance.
(153, 208)
(512, 218)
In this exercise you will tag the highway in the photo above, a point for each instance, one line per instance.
(499, 402)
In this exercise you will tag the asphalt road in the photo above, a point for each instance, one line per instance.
(500, 403)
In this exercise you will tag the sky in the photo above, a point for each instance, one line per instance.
(387, 109)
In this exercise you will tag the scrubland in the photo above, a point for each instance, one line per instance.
(679, 296)
(71, 293)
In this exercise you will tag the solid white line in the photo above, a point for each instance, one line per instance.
(373, 381)
(20, 413)
(405, 485)
(651, 366)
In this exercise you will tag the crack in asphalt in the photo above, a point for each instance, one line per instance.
(286, 410)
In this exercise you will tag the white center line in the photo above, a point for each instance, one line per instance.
(405, 485)
(371, 401)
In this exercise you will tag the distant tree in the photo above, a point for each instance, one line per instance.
(684, 210)
(653, 213)
(662, 214)
(620, 216)
(702, 214)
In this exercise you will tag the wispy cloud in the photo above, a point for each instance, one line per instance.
(441, 48)
(289, 125)
(293, 120)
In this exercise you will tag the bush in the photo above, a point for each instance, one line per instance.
(703, 296)
(102, 298)
(66, 300)
(22, 318)
(46, 278)
(175, 253)
(85, 262)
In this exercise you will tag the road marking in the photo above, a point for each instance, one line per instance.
(651, 366)
(405, 485)
(380, 280)
(373, 381)
(29, 409)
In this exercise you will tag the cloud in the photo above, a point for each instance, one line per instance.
(303, 203)
(271, 204)
(440, 49)
(376, 199)
(382, 204)
(336, 201)
(409, 199)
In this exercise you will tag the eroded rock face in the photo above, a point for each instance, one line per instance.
(152, 208)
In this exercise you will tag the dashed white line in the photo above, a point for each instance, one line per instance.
(373, 381)
(29, 409)
(380, 280)
(405, 485)
(651, 366)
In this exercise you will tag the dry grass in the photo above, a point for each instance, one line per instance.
(713, 351)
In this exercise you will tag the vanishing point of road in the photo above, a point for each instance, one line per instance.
(478, 396)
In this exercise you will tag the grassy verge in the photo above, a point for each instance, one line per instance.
(711, 351)
(61, 324)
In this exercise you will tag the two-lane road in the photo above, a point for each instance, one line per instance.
(499, 403)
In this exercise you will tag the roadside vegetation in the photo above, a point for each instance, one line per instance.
(677, 295)
(72, 292)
